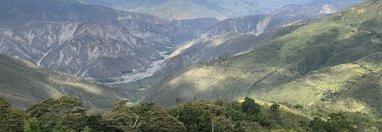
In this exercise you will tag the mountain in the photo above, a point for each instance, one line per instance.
(220, 9)
(230, 37)
(331, 64)
(25, 84)
(89, 41)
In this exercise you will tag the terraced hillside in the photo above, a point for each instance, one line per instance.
(334, 63)
(24, 84)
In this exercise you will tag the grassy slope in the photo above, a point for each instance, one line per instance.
(24, 84)
(332, 63)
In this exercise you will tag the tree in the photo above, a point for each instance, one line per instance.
(250, 106)
(317, 124)
(194, 118)
(213, 109)
(143, 108)
(275, 108)
(275, 111)
(222, 124)
(31, 125)
(160, 121)
(65, 113)
(10, 119)
(122, 118)
(337, 122)
(4, 105)
(95, 123)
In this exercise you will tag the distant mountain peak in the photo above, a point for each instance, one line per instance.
(220, 9)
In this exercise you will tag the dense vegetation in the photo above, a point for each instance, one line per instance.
(69, 114)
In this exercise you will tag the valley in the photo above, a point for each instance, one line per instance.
(154, 67)
(318, 65)
(193, 65)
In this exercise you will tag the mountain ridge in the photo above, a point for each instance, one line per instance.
(228, 38)
(220, 9)
(24, 84)
(312, 65)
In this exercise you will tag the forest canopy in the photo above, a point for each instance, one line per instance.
(69, 114)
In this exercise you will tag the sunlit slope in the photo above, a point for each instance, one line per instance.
(333, 63)
(24, 84)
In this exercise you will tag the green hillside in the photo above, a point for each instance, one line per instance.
(24, 84)
(333, 64)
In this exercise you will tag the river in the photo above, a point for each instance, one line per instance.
(131, 77)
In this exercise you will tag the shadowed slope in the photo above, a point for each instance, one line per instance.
(24, 84)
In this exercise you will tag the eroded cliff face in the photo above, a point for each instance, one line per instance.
(89, 46)
(79, 48)
(262, 25)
